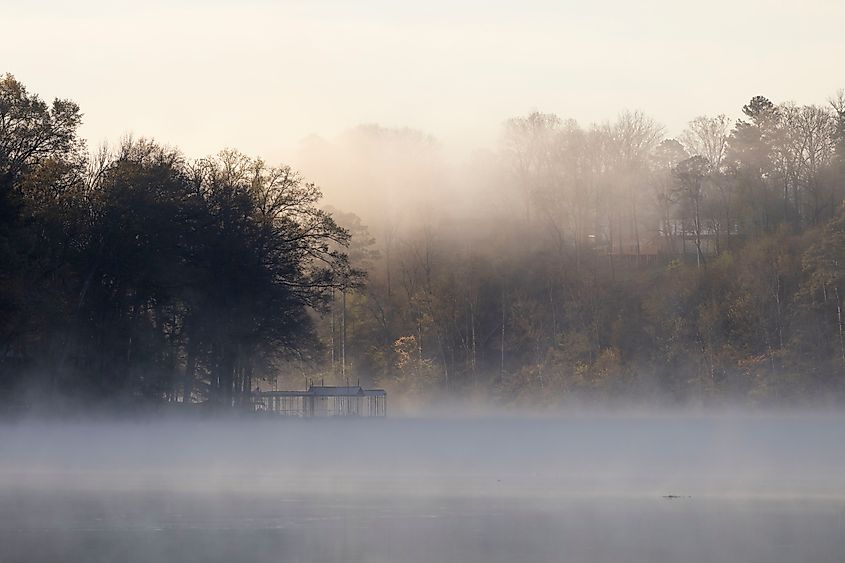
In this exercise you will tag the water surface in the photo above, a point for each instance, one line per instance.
(648, 489)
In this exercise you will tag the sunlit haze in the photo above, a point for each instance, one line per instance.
(261, 75)
(324, 281)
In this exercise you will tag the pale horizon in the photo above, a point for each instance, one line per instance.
(474, 281)
(261, 77)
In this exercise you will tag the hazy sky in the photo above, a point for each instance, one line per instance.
(261, 75)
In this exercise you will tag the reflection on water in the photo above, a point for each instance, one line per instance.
(177, 527)
(766, 489)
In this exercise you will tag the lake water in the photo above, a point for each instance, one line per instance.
(639, 489)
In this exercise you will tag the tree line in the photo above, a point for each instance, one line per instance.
(136, 276)
(605, 262)
(612, 263)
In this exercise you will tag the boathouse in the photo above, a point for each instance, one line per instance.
(321, 400)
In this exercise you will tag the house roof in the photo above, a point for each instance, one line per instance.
(323, 391)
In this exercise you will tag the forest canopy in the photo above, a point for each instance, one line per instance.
(606, 262)
(137, 275)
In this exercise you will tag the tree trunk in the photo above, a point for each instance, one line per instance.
(224, 369)
(332, 339)
(474, 349)
(343, 335)
(190, 368)
(839, 318)
(502, 359)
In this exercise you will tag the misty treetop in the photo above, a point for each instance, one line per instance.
(602, 262)
(572, 262)
(136, 274)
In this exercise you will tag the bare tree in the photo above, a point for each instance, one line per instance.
(530, 144)
(636, 136)
(690, 175)
(708, 137)
(807, 148)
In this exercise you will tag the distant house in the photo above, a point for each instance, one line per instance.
(324, 401)
(673, 239)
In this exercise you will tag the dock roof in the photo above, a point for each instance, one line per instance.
(328, 391)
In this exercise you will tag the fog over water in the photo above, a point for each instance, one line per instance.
(587, 257)
(573, 488)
